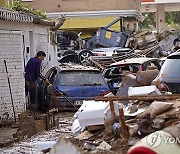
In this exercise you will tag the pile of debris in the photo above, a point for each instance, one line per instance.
(113, 127)
(142, 40)
(143, 44)
(114, 123)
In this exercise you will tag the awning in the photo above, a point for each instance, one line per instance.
(90, 14)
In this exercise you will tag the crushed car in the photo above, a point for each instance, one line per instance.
(70, 85)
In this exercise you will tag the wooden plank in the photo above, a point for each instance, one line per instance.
(141, 98)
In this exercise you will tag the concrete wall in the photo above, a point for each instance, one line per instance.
(84, 5)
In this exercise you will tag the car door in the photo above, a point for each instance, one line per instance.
(43, 91)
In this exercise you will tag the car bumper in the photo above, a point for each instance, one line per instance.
(70, 103)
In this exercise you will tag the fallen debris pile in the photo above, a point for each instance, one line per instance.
(122, 130)
(142, 39)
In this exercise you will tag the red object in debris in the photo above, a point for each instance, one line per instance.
(163, 87)
(141, 150)
(99, 54)
(141, 68)
(104, 93)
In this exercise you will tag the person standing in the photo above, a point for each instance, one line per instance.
(32, 73)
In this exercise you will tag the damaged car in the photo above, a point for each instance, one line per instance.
(70, 85)
(115, 72)
(103, 54)
(168, 79)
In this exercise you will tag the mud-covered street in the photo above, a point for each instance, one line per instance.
(39, 142)
(30, 145)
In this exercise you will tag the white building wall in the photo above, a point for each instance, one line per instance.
(40, 38)
(14, 49)
(11, 52)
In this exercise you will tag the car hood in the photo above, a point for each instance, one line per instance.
(83, 91)
(105, 49)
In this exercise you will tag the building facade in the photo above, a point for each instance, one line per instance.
(21, 37)
(86, 16)
(83, 5)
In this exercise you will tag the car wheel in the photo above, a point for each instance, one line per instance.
(84, 57)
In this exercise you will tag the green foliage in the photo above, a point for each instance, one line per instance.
(172, 20)
(149, 21)
(172, 17)
(17, 6)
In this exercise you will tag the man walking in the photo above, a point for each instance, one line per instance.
(32, 73)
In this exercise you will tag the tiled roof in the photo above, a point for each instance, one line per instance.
(11, 15)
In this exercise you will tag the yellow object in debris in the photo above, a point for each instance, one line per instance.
(108, 34)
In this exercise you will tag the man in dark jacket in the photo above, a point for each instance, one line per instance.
(32, 73)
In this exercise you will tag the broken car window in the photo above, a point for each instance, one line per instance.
(81, 78)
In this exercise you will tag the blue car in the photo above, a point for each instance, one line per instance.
(70, 85)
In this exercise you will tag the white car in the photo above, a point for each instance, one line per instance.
(109, 52)
(102, 54)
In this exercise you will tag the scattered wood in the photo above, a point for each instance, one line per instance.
(140, 98)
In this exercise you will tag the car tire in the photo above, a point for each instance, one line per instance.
(84, 57)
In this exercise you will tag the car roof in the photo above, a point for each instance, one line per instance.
(163, 58)
(73, 66)
(132, 61)
(174, 54)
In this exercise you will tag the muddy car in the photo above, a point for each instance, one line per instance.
(168, 79)
(115, 72)
(70, 85)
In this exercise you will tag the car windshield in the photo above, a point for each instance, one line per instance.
(80, 78)
(116, 71)
(171, 68)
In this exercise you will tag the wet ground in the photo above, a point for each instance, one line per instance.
(62, 130)
(29, 146)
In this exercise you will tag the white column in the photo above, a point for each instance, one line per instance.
(160, 17)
